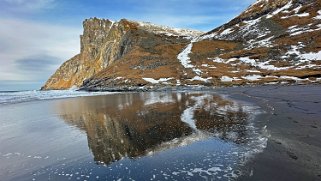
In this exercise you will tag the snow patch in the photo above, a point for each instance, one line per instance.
(297, 9)
(282, 9)
(204, 65)
(208, 66)
(253, 71)
(292, 78)
(303, 57)
(169, 31)
(226, 79)
(154, 81)
(208, 36)
(311, 56)
(226, 32)
(229, 79)
(252, 77)
(200, 79)
(248, 60)
(263, 43)
(253, 62)
(218, 60)
(319, 15)
(185, 60)
(303, 15)
(151, 80)
(261, 65)
(295, 30)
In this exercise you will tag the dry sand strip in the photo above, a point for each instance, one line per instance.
(293, 120)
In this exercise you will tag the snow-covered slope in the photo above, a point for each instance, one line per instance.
(275, 39)
(266, 21)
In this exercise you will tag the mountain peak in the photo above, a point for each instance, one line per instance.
(101, 23)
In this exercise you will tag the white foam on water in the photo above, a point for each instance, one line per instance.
(35, 95)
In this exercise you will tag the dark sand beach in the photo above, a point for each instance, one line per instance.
(249, 133)
(293, 117)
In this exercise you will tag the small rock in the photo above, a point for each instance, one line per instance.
(292, 155)
(277, 142)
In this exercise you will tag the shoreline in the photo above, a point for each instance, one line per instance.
(183, 88)
(116, 90)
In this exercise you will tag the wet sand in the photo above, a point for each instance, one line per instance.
(166, 135)
(129, 136)
(293, 115)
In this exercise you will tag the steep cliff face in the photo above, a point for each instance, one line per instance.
(98, 49)
(104, 42)
(273, 41)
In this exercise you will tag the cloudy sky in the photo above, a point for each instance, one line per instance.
(37, 36)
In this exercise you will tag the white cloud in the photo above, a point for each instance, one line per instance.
(27, 5)
(21, 39)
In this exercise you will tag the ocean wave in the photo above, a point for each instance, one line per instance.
(36, 95)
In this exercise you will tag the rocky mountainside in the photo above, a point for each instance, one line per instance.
(273, 41)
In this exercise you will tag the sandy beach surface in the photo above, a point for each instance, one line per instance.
(293, 115)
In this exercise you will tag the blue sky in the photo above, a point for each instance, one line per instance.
(37, 36)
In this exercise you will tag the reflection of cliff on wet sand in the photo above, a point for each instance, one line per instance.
(131, 125)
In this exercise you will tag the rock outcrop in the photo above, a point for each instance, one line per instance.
(273, 41)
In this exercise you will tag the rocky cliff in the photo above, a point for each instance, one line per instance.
(273, 41)
(104, 43)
